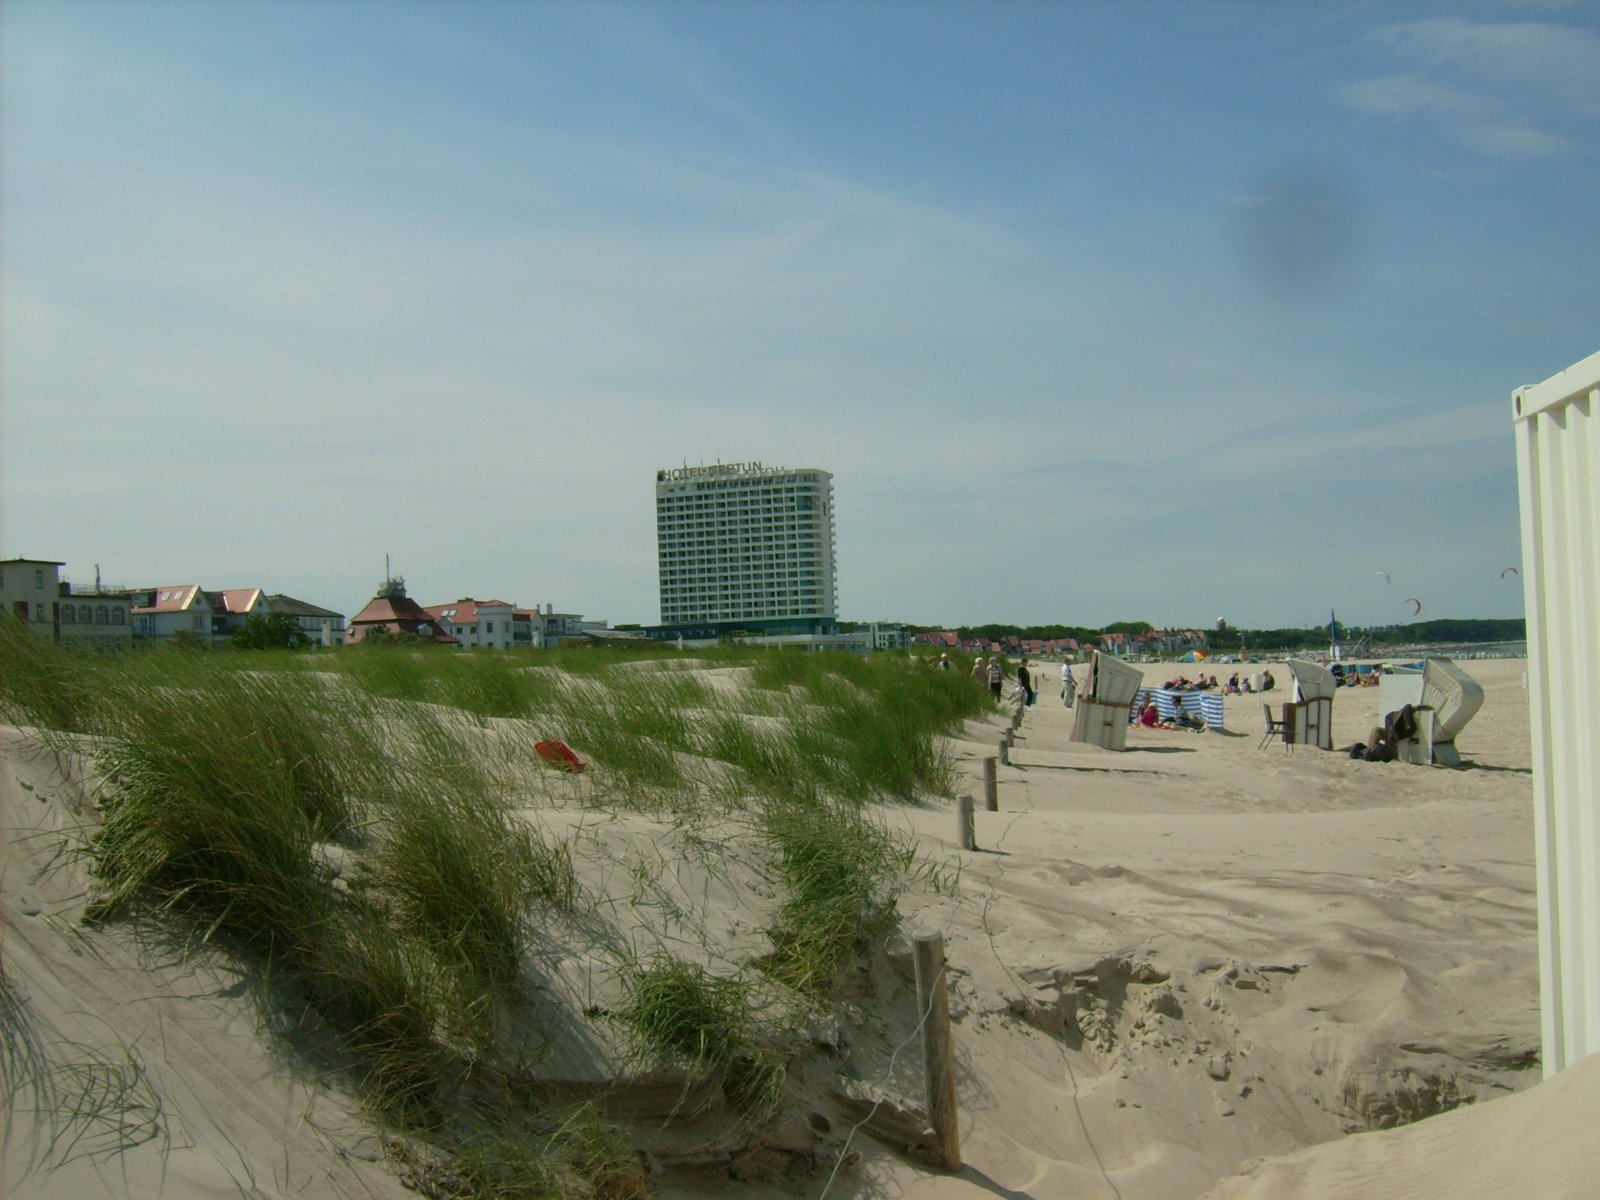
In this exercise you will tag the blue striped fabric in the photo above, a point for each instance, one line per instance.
(1207, 704)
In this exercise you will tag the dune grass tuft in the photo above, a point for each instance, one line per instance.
(842, 872)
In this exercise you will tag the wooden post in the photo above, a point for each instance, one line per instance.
(966, 824)
(991, 788)
(938, 1059)
(1005, 749)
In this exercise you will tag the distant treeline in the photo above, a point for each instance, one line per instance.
(1442, 629)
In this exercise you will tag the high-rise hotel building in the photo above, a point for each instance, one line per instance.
(745, 546)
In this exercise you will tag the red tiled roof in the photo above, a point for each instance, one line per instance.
(171, 599)
(397, 614)
(464, 611)
(235, 600)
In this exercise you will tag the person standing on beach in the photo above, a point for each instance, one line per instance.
(1066, 683)
(980, 673)
(1025, 682)
(996, 676)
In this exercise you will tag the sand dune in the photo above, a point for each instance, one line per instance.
(1168, 965)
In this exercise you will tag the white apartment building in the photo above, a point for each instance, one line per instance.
(748, 545)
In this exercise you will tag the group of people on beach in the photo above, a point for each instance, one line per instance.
(994, 674)
(1235, 686)
(1150, 717)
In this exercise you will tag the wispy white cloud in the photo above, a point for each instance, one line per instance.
(1405, 94)
(1519, 89)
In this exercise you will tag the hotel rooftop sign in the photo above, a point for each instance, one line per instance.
(719, 470)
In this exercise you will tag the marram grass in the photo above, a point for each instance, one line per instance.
(349, 818)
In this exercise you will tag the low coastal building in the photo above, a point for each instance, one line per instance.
(33, 593)
(321, 626)
(232, 607)
(29, 588)
(169, 611)
(93, 618)
(477, 624)
(392, 612)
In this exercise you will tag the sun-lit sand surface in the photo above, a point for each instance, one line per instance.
(1166, 963)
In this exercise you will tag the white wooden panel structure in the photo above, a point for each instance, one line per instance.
(1108, 688)
(1308, 720)
(1558, 446)
(1442, 688)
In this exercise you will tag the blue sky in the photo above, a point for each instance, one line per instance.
(1096, 311)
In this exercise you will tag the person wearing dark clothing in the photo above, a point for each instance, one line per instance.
(1025, 682)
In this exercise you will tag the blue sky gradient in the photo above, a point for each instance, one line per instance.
(1096, 311)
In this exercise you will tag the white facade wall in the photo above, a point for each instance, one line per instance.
(28, 591)
(1558, 447)
(92, 621)
(194, 617)
(743, 542)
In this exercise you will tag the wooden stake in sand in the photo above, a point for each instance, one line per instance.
(966, 824)
(991, 787)
(1005, 748)
(938, 1058)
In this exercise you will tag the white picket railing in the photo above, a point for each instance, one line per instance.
(1557, 425)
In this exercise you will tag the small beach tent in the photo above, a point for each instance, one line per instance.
(1308, 718)
(1438, 688)
(1101, 715)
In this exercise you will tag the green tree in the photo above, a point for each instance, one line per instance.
(269, 631)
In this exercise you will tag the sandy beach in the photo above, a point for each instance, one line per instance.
(1190, 969)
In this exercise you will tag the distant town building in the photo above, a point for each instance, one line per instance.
(165, 612)
(497, 625)
(33, 592)
(745, 548)
(392, 611)
(885, 635)
(479, 624)
(321, 626)
(232, 607)
(29, 588)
